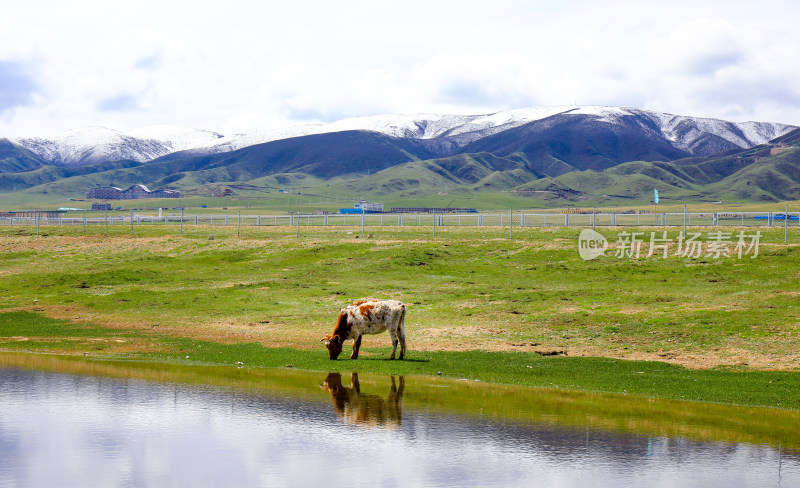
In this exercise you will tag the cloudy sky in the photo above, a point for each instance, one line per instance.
(239, 65)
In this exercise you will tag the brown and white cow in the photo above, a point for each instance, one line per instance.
(368, 317)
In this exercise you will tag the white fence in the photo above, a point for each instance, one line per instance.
(522, 219)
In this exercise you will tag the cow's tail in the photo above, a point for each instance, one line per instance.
(401, 326)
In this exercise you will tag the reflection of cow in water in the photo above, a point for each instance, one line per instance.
(355, 407)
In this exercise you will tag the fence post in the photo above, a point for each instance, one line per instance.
(84, 221)
(480, 220)
(684, 221)
(362, 224)
(566, 220)
(594, 210)
(510, 222)
(239, 223)
(181, 221)
(786, 223)
(106, 222)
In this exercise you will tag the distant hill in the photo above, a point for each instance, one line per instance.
(568, 154)
(444, 135)
(755, 175)
(564, 143)
(15, 158)
(321, 155)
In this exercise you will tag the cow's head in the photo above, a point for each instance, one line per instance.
(334, 344)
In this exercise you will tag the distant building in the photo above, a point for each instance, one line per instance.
(134, 192)
(363, 207)
(101, 206)
(105, 193)
(40, 214)
(432, 210)
(368, 207)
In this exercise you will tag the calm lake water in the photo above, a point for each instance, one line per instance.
(120, 424)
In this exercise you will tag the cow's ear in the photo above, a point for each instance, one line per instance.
(336, 338)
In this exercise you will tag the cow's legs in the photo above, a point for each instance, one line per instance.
(401, 334)
(393, 335)
(356, 347)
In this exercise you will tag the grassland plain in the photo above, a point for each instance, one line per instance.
(481, 305)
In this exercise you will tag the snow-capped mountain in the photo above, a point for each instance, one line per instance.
(463, 129)
(89, 145)
(686, 132)
(445, 134)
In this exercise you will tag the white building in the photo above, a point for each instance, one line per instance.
(368, 207)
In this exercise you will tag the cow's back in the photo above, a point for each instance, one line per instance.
(376, 316)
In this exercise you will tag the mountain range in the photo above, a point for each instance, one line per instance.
(580, 153)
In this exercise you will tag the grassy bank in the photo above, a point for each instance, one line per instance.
(480, 305)
(646, 378)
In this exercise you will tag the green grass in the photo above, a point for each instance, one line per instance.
(28, 331)
(32, 324)
(468, 290)
(646, 378)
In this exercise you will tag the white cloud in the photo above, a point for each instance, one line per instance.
(253, 64)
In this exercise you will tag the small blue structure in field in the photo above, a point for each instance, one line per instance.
(779, 216)
(363, 207)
